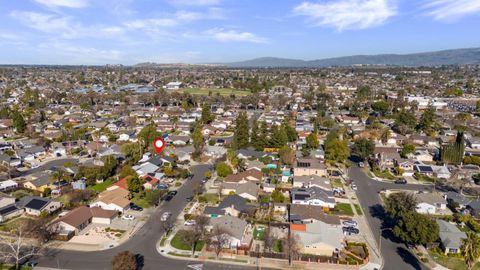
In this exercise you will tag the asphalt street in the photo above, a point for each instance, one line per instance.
(142, 243)
(395, 254)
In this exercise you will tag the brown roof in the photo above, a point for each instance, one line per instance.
(313, 212)
(81, 214)
(117, 196)
(251, 174)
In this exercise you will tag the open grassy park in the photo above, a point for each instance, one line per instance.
(214, 91)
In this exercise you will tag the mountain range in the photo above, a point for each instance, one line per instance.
(437, 58)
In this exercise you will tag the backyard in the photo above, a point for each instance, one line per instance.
(259, 233)
(102, 186)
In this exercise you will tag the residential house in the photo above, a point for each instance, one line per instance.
(309, 166)
(421, 155)
(248, 190)
(77, 219)
(9, 211)
(245, 176)
(386, 157)
(8, 185)
(114, 199)
(300, 213)
(430, 203)
(306, 181)
(313, 196)
(36, 205)
(234, 228)
(38, 181)
(318, 237)
(150, 182)
(145, 168)
(457, 199)
(450, 237)
(232, 205)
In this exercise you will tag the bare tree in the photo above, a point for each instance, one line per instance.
(17, 248)
(269, 239)
(218, 239)
(124, 260)
(291, 245)
(167, 225)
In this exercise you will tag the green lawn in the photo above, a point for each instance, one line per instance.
(343, 209)
(102, 186)
(336, 183)
(385, 174)
(359, 209)
(178, 242)
(259, 233)
(221, 91)
(140, 202)
(452, 263)
(209, 198)
(12, 267)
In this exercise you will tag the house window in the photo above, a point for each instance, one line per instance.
(453, 250)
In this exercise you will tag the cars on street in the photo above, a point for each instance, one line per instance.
(400, 181)
(350, 230)
(350, 223)
(135, 207)
(128, 217)
(354, 187)
(165, 216)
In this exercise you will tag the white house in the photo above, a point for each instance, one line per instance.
(430, 203)
(173, 85)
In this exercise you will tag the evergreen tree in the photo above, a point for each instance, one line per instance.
(241, 136)
(290, 131)
(198, 142)
(312, 141)
(262, 140)
(254, 134)
(207, 116)
(427, 119)
(453, 153)
(19, 122)
(278, 137)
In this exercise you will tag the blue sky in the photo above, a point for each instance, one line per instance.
(202, 31)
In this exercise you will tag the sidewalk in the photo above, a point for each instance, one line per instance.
(375, 260)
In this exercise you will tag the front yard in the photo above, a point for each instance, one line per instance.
(451, 262)
(178, 242)
(343, 209)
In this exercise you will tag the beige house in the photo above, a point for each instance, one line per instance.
(309, 166)
(114, 199)
(80, 217)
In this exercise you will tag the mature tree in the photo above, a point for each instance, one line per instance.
(18, 122)
(385, 135)
(207, 116)
(427, 119)
(407, 149)
(135, 184)
(364, 92)
(453, 153)
(241, 133)
(336, 150)
(477, 107)
(152, 196)
(405, 122)
(397, 204)
(127, 170)
(312, 141)
(218, 239)
(278, 197)
(148, 134)
(289, 130)
(471, 249)
(223, 169)
(254, 134)
(269, 239)
(287, 155)
(415, 228)
(132, 151)
(16, 247)
(198, 142)
(262, 139)
(381, 107)
(124, 260)
(363, 148)
(278, 137)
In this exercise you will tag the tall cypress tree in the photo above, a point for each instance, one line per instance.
(241, 136)
(254, 133)
(262, 139)
(453, 153)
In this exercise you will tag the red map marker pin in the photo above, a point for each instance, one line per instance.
(158, 144)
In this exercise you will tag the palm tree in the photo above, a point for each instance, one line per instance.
(471, 249)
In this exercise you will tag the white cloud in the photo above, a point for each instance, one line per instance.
(234, 35)
(63, 3)
(150, 24)
(42, 21)
(451, 10)
(348, 14)
(195, 2)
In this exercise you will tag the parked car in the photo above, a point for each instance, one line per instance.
(128, 217)
(350, 223)
(165, 216)
(361, 164)
(31, 263)
(400, 181)
(350, 230)
(354, 187)
(189, 222)
(135, 207)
